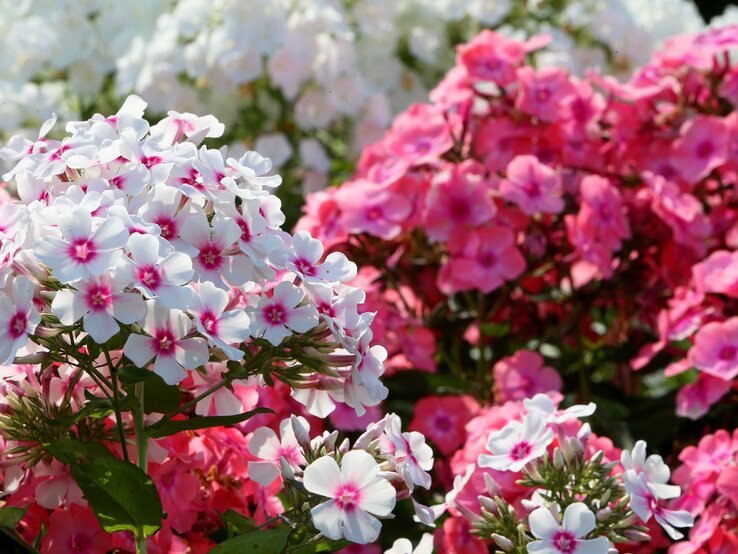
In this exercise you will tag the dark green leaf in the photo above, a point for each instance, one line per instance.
(237, 523)
(92, 348)
(159, 397)
(325, 545)
(131, 374)
(121, 495)
(73, 451)
(270, 541)
(166, 428)
(10, 516)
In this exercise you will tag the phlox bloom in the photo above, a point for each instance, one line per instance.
(18, 318)
(356, 494)
(715, 349)
(565, 537)
(277, 317)
(516, 444)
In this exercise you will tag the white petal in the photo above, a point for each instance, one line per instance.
(177, 267)
(542, 523)
(264, 444)
(168, 369)
(359, 468)
(129, 308)
(328, 519)
(263, 473)
(138, 350)
(360, 527)
(302, 319)
(68, 307)
(192, 353)
(578, 519)
(144, 249)
(600, 545)
(111, 234)
(378, 497)
(101, 326)
(323, 476)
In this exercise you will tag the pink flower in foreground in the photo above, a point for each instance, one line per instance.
(277, 317)
(366, 207)
(565, 537)
(166, 344)
(533, 186)
(542, 91)
(715, 349)
(516, 444)
(695, 399)
(76, 531)
(523, 375)
(356, 493)
(702, 148)
(718, 273)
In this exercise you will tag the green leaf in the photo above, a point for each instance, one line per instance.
(270, 541)
(159, 397)
(131, 374)
(10, 516)
(121, 495)
(170, 427)
(238, 524)
(324, 545)
(73, 451)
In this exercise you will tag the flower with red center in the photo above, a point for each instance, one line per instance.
(533, 186)
(277, 317)
(214, 259)
(543, 91)
(702, 147)
(221, 328)
(715, 349)
(75, 530)
(410, 455)
(166, 344)
(565, 537)
(644, 501)
(442, 419)
(158, 274)
(517, 443)
(357, 493)
(269, 449)
(18, 318)
(102, 303)
(305, 261)
(523, 375)
(88, 247)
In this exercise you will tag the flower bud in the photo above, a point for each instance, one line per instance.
(302, 432)
(504, 543)
(636, 535)
(287, 472)
(603, 514)
(558, 459)
(488, 504)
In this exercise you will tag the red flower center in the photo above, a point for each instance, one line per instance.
(17, 325)
(82, 250)
(520, 450)
(564, 542)
(149, 276)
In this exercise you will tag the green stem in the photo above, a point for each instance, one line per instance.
(141, 452)
(116, 407)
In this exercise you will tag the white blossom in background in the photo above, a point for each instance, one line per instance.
(300, 67)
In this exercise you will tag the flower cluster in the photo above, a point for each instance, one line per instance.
(344, 488)
(558, 465)
(527, 222)
(307, 84)
(144, 273)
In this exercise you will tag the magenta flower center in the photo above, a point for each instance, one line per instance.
(245, 231)
(164, 342)
(82, 250)
(210, 256)
(565, 542)
(17, 325)
(209, 322)
(305, 267)
(275, 314)
(532, 189)
(487, 259)
(543, 95)
(150, 162)
(149, 276)
(374, 213)
(520, 450)
(728, 353)
(442, 423)
(459, 208)
(705, 149)
(168, 227)
(347, 496)
(99, 297)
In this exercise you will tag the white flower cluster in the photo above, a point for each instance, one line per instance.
(355, 485)
(126, 227)
(296, 74)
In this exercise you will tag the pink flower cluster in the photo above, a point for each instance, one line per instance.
(524, 211)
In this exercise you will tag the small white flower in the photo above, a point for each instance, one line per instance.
(267, 446)
(544, 406)
(18, 318)
(404, 546)
(222, 328)
(356, 493)
(565, 537)
(656, 472)
(277, 317)
(517, 443)
(644, 501)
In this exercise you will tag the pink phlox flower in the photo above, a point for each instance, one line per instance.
(542, 92)
(158, 271)
(166, 344)
(420, 135)
(458, 199)
(567, 536)
(367, 207)
(492, 57)
(220, 326)
(523, 375)
(695, 399)
(482, 259)
(102, 303)
(55, 486)
(533, 186)
(18, 318)
(544, 406)
(602, 212)
(516, 444)
(88, 247)
(356, 494)
(715, 349)
(644, 501)
(265, 445)
(718, 273)
(411, 456)
(703, 147)
(277, 317)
